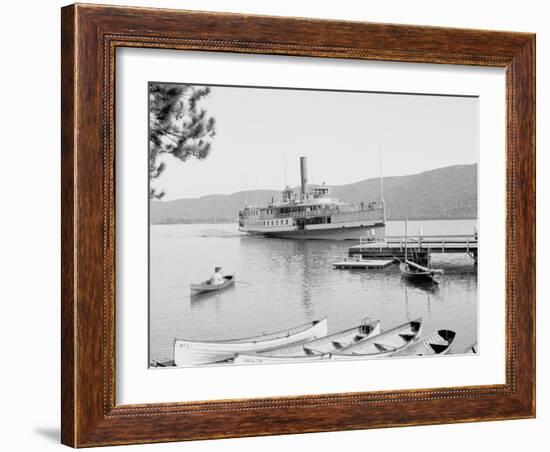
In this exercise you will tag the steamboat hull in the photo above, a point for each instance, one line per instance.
(341, 233)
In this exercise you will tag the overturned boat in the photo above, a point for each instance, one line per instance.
(313, 350)
(194, 353)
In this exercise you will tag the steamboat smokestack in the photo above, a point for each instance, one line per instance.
(303, 172)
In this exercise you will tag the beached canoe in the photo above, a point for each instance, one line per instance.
(439, 343)
(385, 344)
(206, 286)
(193, 353)
(313, 350)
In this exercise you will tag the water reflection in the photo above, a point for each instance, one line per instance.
(203, 296)
(426, 286)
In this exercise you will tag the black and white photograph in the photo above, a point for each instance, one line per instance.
(293, 225)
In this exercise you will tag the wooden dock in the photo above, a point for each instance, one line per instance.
(420, 246)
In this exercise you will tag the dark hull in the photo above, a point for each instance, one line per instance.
(416, 275)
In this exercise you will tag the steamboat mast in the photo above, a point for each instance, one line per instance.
(381, 182)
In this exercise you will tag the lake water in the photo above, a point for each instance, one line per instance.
(282, 283)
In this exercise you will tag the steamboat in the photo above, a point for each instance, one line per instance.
(312, 213)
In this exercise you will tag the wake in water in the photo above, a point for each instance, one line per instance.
(220, 234)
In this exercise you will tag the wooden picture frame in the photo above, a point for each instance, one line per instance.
(90, 36)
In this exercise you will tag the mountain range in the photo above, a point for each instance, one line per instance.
(443, 193)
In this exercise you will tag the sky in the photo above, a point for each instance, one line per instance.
(262, 131)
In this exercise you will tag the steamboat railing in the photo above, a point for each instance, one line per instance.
(318, 213)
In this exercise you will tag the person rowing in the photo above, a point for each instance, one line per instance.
(217, 277)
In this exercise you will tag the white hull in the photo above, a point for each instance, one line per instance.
(340, 233)
(312, 350)
(191, 353)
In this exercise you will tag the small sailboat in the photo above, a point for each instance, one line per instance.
(439, 343)
(313, 350)
(207, 286)
(385, 344)
(414, 271)
(193, 353)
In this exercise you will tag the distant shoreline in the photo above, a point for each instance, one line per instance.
(445, 193)
(227, 221)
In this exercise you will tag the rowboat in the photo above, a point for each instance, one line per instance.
(385, 344)
(194, 353)
(439, 343)
(207, 286)
(315, 349)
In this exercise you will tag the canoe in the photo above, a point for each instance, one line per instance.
(315, 349)
(206, 286)
(385, 344)
(194, 353)
(439, 343)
